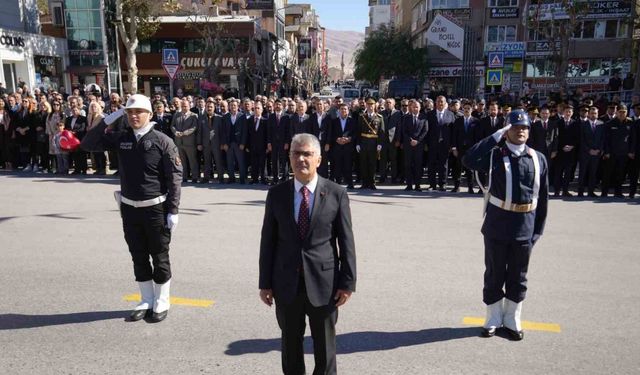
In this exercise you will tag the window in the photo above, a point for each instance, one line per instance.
(57, 14)
(601, 29)
(503, 3)
(540, 68)
(502, 33)
(449, 4)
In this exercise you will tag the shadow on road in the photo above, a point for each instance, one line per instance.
(356, 342)
(21, 321)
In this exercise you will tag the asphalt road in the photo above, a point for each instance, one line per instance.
(65, 272)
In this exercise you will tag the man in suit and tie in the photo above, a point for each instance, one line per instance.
(184, 126)
(162, 119)
(307, 258)
(591, 146)
(258, 144)
(320, 126)
(462, 138)
(278, 140)
(439, 142)
(234, 139)
(415, 127)
(544, 135)
(298, 121)
(342, 134)
(568, 138)
(209, 136)
(390, 154)
(199, 109)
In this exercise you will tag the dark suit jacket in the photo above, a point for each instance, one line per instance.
(188, 126)
(79, 128)
(234, 133)
(545, 141)
(349, 129)
(485, 129)
(438, 131)
(591, 139)
(278, 132)
(209, 133)
(568, 133)
(460, 139)
(257, 139)
(322, 132)
(299, 124)
(327, 255)
(410, 131)
(163, 125)
(392, 125)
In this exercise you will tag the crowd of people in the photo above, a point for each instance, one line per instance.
(589, 144)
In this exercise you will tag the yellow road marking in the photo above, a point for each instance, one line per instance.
(526, 325)
(176, 301)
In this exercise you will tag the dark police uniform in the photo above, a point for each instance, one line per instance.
(369, 137)
(619, 143)
(514, 218)
(150, 178)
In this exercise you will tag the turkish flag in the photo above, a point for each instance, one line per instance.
(68, 141)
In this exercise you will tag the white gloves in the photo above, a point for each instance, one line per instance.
(172, 221)
(379, 148)
(500, 132)
(114, 116)
(357, 148)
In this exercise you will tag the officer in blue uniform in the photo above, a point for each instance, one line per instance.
(516, 208)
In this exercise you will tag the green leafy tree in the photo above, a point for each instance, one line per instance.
(388, 52)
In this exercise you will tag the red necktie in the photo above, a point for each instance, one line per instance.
(303, 214)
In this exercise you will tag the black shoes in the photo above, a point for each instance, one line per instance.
(139, 315)
(488, 332)
(514, 335)
(408, 188)
(158, 317)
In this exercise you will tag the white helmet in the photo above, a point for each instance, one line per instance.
(139, 101)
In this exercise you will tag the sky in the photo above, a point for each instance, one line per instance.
(348, 15)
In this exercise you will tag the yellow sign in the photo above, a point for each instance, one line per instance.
(517, 66)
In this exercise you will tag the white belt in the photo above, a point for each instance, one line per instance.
(513, 207)
(145, 203)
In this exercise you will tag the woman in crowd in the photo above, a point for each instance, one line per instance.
(25, 134)
(78, 126)
(53, 118)
(94, 117)
(40, 156)
(7, 136)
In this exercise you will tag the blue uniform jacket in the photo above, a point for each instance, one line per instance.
(506, 225)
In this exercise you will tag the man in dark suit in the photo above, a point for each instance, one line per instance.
(342, 134)
(278, 140)
(415, 127)
(320, 126)
(162, 118)
(234, 139)
(209, 129)
(439, 142)
(258, 144)
(307, 258)
(462, 138)
(544, 135)
(299, 121)
(591, 146)
(568, 138)
(390, 154)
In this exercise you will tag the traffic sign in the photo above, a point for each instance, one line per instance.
(170, 56)
(494, 77)
(496, 59)
(172, 70)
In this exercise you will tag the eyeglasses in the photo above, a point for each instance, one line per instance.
(304, 154)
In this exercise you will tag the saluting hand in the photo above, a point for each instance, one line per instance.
(342, 296)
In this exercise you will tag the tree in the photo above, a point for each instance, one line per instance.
(388, 52)
(556, 23)
(137, 20)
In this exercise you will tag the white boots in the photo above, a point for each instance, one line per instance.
(494, 319)
(162, 303)
(511, 320)
(146, 301)
(505, 315)
(154, 302)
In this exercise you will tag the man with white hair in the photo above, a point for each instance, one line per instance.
(150, 177)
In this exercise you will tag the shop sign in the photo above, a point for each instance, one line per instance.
(512, 50)
(12, 41)
(452, 71)
(459, 14)
(578, 81)
(543, 48)
(447, 35)
(84, 53)
(201, 62)
(593, 10)
(504, 13)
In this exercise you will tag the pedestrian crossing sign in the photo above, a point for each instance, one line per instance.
(169, 56)
(496, 59)
(494, 77)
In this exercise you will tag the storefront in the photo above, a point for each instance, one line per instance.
(448, 79)
(35, 60)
